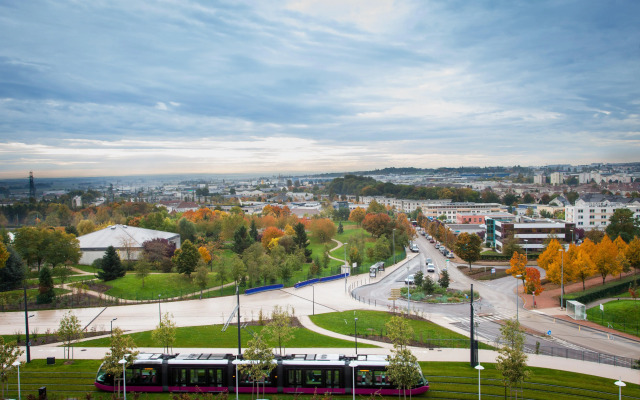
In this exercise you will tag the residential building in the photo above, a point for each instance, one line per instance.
(530, 234)
(539, 179)
(594, 210)
(557, 178)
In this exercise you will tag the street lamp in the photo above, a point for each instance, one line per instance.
(561, 250)
(571, 236)
(620, 384)
(17, 364)
(26, 322)
(517, 316)
(124, 377)
(159, 311)
(408, 294)
(356, 333)
(353, 377)
(526, 249)
(112, 325)
(345, 262)
(479, 368)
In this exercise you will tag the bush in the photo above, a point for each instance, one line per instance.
(610, 289)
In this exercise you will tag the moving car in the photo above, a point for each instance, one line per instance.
(410, 280)
(414, 248)
(431, 268)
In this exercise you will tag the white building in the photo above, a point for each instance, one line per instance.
(539, 179)
(557, 178)
(594, 210)
(436, 208)
(127, 240)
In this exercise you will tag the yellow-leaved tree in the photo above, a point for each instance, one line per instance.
(605, 258)
(621, 259)
(549, 255)
(582, 264)
(518, 266)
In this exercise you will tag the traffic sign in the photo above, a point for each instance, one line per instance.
(549, 332)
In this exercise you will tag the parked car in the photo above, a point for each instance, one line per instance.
(410, 280)
(450, 254)
(431, 268)
(414, 248)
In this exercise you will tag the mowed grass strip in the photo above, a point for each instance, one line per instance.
(450, 380)
(211, 336)
(372, 323)
(446, 378)
(623, 315)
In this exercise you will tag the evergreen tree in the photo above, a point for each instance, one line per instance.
(186, 258)
(253, 231)
(340, 228)
(444, 279)
(46, 293)
(241, 240)
(13, 272)
(301, 240)
(110, 266)
(428, 285)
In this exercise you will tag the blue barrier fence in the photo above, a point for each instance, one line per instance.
(316, 280)
(263, 288)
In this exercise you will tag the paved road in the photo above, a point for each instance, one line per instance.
(498, 302)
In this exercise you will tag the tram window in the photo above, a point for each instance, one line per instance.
(364, 378)
(198, 377)
(142, 376)
(332, 378)
(179, 377)
(380, 378)
(216, 377)
(294, 377)
(313, 377)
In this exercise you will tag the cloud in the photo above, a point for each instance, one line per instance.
(313, 85)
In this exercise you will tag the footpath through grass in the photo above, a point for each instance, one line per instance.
(211, 336)
(450, 380)
(371, 324)
(621, 315)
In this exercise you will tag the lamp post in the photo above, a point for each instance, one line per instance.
(479, 368)
(112, 325)
(561, 250)
(517, 311)
(394, 246)
(26, 322)
(313, 287)
(526, 249)
(17, 364)
(159, 311)
(353, 379)
(356, 333)
(124, 376)
(345, 263)
(408, 294)
(620, 384)
(572, 236)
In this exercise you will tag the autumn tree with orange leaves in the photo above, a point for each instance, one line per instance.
(518, 264)
(582, 264)
(269, 234)
(605, 258)
(377, 224)
(357, 215)
(323, 229)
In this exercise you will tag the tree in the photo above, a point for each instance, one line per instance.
(142, 269)
(238, 270)
(623, 224)
(186, 229)
(13, 273)
(322, 229)
(280, 328)
(512, 360)
(418, 278)
(110, 266)
(4, 255)
(69, 330)
(511, 246)
(428, 285)
(550, 255)
(605, 258)
(120, 347)
(532, 284)
(403, 369)
(301, 240)
(518, 264)
(340, 228)
(222, 272)
(204, 255)
(399, 331)
(241, 240)
(378, 224)
(9, 353)
(354, 255)
(269, 234)
(253, 231)
(381, 249)
(595, 235)
(31, 244)
(46, 293)
(357, 215)
(444, 279)
(202, 278)
(258, 357)
(583, 266)
(468, 247)
(375, 208)
(165, 332)
(633, 254)
(186, 258)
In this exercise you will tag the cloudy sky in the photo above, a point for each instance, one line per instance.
(122, 87)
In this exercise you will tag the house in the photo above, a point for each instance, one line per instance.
(127, 240)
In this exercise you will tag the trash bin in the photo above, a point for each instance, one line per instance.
(51, 360)
(42, 393)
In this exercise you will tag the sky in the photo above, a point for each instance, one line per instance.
(115, 87)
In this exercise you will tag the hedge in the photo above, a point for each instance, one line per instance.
(609, 289)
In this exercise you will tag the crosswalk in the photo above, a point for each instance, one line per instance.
(479, 318)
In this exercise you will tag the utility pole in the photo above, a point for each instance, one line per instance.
(474, 349)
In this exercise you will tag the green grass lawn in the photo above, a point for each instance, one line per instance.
(622, 315)
(451, 380)
(371, 323)
(17, 296)
(167, 285)
(212, 336)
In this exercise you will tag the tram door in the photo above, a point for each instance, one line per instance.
(294, 378)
